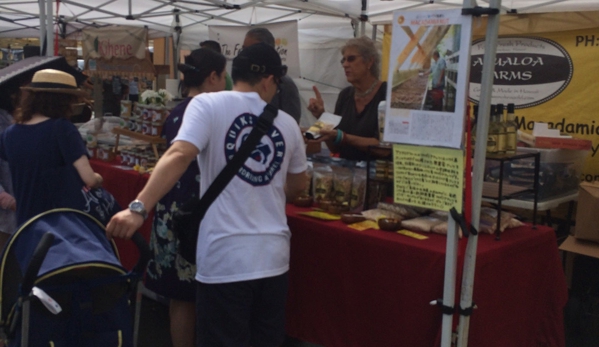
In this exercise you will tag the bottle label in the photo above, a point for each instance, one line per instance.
(511, 143)
(492, 143)
(501, 141)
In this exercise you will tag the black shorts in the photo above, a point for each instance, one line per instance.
(242, 314)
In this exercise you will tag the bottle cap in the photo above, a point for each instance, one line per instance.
(511, 108)
(500, 109)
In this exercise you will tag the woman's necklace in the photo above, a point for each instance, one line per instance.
(368, 91)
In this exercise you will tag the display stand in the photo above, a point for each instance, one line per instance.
(498, 192)
(152, 140)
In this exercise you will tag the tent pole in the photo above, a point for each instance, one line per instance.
(374, 28)
(43, 42)
(449, 281)
(482, 130)
(49, 29)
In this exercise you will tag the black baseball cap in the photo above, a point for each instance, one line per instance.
(260, 59)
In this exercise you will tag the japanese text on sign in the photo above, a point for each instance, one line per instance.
(428, 177)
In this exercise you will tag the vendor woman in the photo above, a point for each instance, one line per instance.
(358, 104)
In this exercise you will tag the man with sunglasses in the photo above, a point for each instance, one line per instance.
(243, 242)
(287, 99)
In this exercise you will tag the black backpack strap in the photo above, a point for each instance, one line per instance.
(262, 126)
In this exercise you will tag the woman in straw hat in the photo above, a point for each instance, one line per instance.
(46, 154)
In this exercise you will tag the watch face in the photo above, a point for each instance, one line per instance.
(137, 206)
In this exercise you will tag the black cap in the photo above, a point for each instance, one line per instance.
(260, 59)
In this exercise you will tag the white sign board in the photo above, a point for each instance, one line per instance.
(286, 42)
(428, 74)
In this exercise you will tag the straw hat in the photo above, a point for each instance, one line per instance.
(54, 81)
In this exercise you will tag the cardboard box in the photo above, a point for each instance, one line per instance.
(587, 212)
(575, 247)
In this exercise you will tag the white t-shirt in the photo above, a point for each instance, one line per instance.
(244, 234)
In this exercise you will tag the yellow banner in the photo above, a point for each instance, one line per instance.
(430, 177)
(550, 77)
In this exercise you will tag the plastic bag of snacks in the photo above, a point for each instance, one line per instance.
(342, 184)
(488, 220)
(424, 223)
(358, 190)
(405, 211)
(322, 183)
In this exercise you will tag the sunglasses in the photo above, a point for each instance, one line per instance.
(349, 59)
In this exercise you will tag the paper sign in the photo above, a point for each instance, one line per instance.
(428, 177)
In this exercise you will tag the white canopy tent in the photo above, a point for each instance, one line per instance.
(21, 18)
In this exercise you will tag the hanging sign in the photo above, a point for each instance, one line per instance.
(286, 42)
(119, 42)
(427, 77)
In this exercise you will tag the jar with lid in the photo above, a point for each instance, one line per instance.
(146, 127)
(156, 129)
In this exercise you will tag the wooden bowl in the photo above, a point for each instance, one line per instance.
(350, 218)
(303, 201)
(337, 209)
(324, 204)
(389, 224)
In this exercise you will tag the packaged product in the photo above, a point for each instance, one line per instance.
(423, 224)
(322, 183)
(342, 184)
(358, 190)
(309, 174)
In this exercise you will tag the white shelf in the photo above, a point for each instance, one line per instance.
(541, 205)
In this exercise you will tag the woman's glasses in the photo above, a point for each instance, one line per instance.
(349, 59)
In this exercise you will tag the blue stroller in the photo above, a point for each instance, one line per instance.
(62, 284)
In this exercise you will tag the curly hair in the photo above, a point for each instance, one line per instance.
(50, 104)
(367, 50)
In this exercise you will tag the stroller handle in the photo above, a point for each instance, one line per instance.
(36, 262)
(144, 253)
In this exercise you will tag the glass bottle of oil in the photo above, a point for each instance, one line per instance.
(494, 132)
(511, 129)
(502, 139)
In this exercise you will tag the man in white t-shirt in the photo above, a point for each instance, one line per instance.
(243, 243)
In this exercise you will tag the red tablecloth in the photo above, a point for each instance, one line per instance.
(124, 185)
(373, 288)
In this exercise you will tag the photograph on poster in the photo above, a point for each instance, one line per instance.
(419, 78)
(428, 66)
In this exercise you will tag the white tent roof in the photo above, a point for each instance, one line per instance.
(21, 18)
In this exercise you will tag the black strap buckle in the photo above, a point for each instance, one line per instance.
(460, 219)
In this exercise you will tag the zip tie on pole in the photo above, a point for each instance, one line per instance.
(448, 310)
(462, 222)
(467, 311)
(478, 11)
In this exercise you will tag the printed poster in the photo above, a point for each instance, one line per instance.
(428, 177)
(427, 78)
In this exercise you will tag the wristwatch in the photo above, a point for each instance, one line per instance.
(136, 206)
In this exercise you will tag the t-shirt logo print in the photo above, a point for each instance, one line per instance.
(265, 161)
